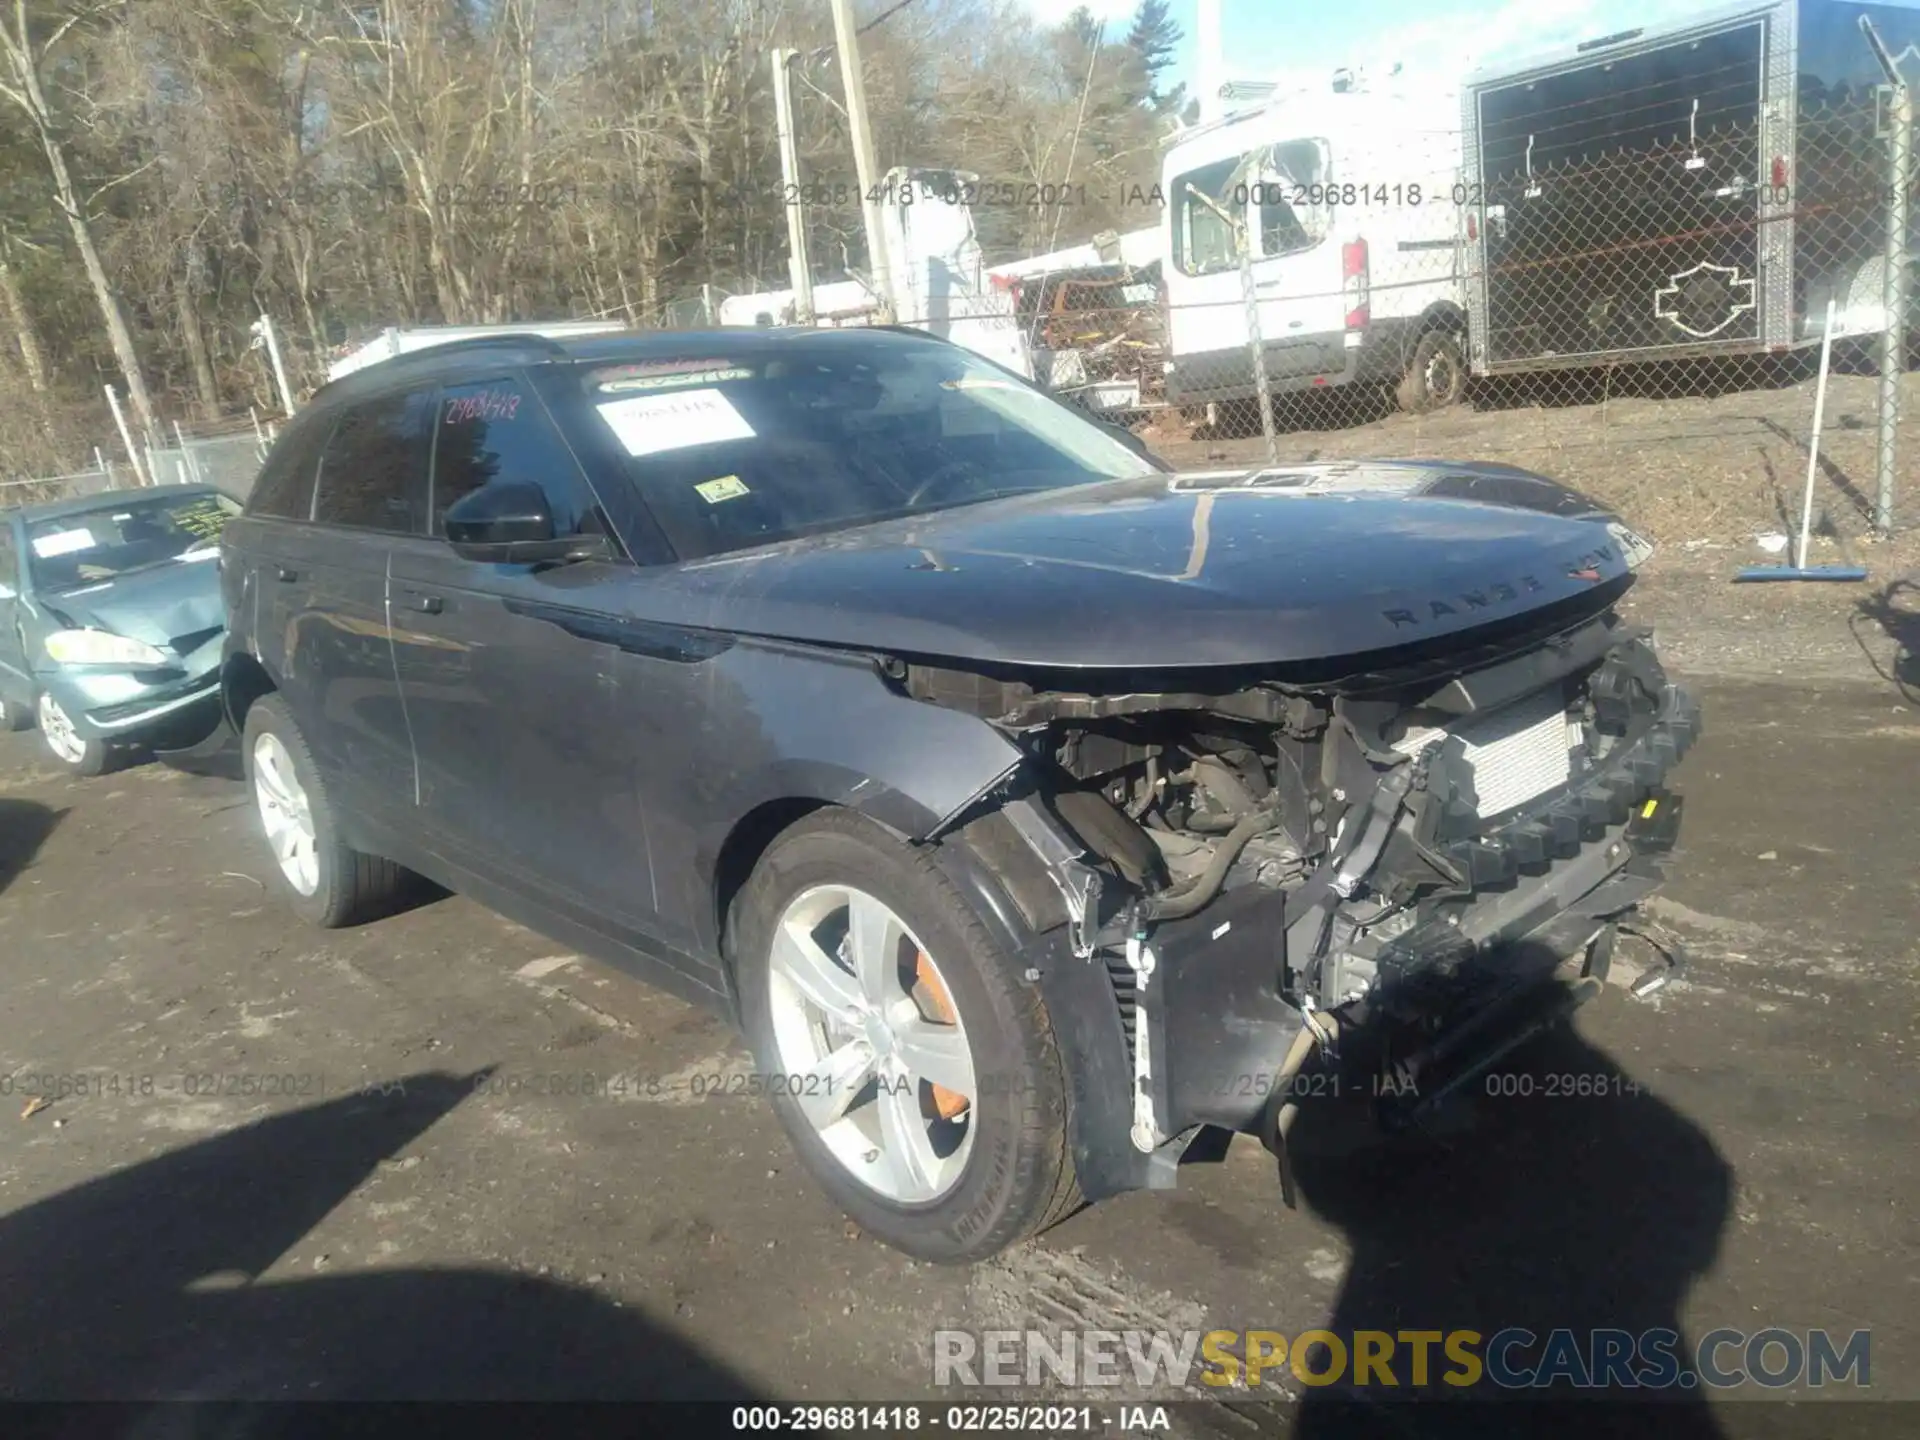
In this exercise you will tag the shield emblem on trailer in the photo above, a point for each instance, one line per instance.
(1705, 300)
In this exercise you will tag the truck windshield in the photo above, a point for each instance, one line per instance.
(1283, 186)
(89, 547)
(735, 451)
(1206, 215)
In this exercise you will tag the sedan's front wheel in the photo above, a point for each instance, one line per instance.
(78, 753)
(917, 1075)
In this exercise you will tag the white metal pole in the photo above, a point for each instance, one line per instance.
(798, 269)
(864, 163)
(1208, 57)
(279, 370)
(1813, 448)
(126, 435)
(187, 457)
(1893, 344)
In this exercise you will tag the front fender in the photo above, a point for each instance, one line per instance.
(829, 728)
(1003, 885)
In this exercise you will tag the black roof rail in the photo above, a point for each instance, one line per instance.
(521, 341)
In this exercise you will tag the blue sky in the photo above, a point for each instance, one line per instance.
(1281, 39)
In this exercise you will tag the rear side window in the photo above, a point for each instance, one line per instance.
(284, 488)
(497, 430)
(1291, 193)
(370, 469)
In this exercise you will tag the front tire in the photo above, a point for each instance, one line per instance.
(916, 1075)
(328, 883)
(64, 741)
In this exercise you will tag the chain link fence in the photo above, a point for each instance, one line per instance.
(229, 462)
(61, 487)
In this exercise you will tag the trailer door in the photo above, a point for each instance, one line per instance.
(1622, 201)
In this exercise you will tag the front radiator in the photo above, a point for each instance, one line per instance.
(1515, 754)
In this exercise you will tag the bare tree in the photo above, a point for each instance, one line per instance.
(24, 57)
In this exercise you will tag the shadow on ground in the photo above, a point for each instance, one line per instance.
(1895, 608)
(1576, 1212)
(144, 1285)
(24, 828)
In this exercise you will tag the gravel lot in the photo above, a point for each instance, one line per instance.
(359, 1164)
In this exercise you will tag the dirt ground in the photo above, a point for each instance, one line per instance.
(1701, 461)
(287, 1164)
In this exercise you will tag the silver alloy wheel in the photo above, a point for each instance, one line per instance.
(870, 1044)
(285, 813)
(59, 733)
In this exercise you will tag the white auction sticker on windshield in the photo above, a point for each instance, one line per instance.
(62, 542)
(648, 424)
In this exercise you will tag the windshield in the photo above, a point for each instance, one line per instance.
(85, 548)
(735, 452)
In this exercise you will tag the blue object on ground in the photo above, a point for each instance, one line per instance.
(1812, 572)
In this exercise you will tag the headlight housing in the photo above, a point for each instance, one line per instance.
(1634, 547)
(101, 647)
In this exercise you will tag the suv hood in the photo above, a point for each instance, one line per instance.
(1218, 568)
(158, 604)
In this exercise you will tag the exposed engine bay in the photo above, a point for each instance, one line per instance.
(1400, 822)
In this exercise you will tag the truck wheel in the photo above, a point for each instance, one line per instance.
(329, 883)
(915, 1073)
(1436, 375)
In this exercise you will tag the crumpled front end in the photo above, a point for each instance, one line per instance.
(1299, 872)
(178, 700)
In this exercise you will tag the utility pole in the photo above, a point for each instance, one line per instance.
(1210, 56)
(797, 267)
(847, 42)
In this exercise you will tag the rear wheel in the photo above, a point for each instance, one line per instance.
(918, 1078)
(328, 882)
(1436, 374)
(72, 749)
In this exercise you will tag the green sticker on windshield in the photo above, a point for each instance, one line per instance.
(204, 518)
(727, 487)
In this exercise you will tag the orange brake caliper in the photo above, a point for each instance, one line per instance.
(948, 1102)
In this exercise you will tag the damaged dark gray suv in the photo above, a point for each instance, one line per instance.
(1035, 811)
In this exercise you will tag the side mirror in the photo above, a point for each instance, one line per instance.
(510, 523)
